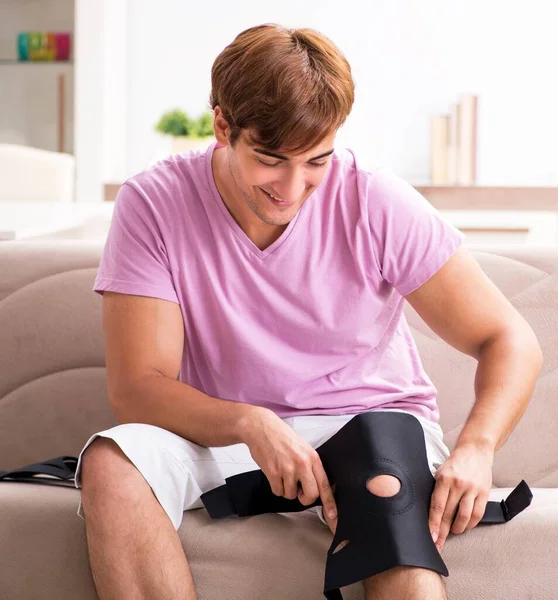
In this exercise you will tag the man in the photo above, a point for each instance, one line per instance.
(253, 299)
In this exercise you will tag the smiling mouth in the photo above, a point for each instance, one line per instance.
(272, 197)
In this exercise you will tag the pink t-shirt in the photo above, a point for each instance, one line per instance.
(313, 324)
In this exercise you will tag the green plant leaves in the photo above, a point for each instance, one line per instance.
(177, 122)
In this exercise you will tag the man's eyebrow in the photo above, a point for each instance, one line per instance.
(281, 157)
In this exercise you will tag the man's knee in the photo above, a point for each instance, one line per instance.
(405, 580)
(103, 464)
(383, 485)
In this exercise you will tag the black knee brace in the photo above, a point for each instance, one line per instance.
(383, 532)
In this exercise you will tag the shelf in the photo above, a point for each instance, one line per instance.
(14, 61)
(477, 197)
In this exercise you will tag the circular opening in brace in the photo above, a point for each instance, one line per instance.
(384, 486)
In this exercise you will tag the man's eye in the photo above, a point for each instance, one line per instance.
(322, 164)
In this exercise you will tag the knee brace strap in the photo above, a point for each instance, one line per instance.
(383, 532)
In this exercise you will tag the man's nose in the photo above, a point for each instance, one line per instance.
(292, 189)
(292, 185)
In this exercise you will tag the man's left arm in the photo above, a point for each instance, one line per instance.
(466, 309)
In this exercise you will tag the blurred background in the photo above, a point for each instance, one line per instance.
(458, 97)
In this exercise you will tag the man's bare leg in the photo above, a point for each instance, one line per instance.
(134, 549)
(405, 583)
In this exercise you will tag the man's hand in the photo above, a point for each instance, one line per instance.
(286, 459)
(463, 483)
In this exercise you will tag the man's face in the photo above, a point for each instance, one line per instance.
(259, 174)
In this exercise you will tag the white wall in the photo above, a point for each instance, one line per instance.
(101, 96)
(410, 60)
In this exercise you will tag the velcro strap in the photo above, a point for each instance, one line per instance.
(55, 471)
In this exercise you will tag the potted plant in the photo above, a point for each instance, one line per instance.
(187, 133)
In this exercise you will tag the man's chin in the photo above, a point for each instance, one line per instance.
(276, 217)
(283, 218)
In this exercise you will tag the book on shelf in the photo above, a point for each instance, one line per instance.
(467, 141)
(453, 152)
(440, 150)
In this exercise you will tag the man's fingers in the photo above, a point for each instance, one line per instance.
(290, 488)
(437, 507)
(308, 489)
(326, 493)
(478, 510)
(450, 511)
(277, 486)
(464, 512)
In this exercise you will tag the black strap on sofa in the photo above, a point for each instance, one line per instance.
(56, 471)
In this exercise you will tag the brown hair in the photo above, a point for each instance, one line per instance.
(292, 87)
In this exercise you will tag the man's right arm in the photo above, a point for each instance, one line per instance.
(144, 339)
(144, 343)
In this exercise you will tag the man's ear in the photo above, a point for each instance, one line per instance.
(221, 128)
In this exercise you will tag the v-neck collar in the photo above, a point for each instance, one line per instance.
(237, 230)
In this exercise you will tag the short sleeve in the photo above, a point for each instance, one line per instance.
(134, 259)
(411, 239)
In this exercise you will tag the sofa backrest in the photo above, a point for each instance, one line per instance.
(52, 376)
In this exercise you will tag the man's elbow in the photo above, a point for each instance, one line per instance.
(124, 401)
(522, 339)
(532, 346)
(120, 406)
(127, 396)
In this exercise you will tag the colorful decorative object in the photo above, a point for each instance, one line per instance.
(62, 46)
(43, 46)
(23, 46)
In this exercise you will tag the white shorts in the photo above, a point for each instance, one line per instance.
(179, 471)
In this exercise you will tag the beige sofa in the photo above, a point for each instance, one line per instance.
(53, 397)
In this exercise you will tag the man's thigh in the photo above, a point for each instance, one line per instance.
(177, 470)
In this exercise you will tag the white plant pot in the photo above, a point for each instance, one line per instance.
(183, 143)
